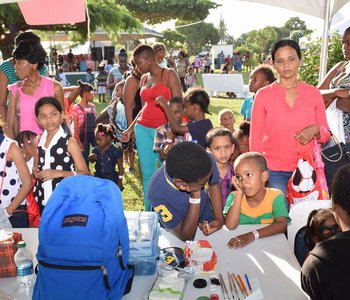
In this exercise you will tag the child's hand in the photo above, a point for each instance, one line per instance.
(167, 149)
(161, 101)
(92, 157)
(45, 175)
(126, 136)
(209, 228)
(235, 185)
(241, 240)
(170, 135)
(36, 171)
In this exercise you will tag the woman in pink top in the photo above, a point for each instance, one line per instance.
(30, 58)
(157, 81)
(285, 114)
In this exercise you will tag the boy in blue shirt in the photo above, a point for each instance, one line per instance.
(176, 192)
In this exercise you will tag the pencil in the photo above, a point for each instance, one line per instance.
(230, 283)
(242, 283)
(234, 286)
(222, 286)
(223, 283)
(249, 286)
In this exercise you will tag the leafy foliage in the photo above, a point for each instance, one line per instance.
(311, 58)
(157, 11)
(105, 14)
(200, 36)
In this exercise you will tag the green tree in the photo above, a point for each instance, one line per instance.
(295, 24)
(311, 58)
(101, 13)
(157, 11)
(222, 30)
(199, 36)
(173, 39)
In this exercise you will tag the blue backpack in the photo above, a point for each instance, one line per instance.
(83, 242)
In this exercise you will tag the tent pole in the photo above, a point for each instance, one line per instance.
(324, 46)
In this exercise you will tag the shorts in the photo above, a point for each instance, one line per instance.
(101, 90)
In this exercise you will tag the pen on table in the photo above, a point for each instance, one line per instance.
(242, 283)
(234, 285)
(230, 283)
(249, 286)
(222, 286)
(240, 287)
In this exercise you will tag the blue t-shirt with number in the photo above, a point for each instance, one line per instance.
(172, 204)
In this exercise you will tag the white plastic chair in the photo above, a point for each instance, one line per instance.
(299, 214)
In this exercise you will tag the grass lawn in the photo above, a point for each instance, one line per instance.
(132, 194)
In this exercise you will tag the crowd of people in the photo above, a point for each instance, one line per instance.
(193, 175)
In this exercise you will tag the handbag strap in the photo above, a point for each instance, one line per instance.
(340, 148)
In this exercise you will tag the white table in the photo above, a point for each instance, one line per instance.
(269, 260)
(225, 83)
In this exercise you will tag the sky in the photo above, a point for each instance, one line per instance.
(241, 17)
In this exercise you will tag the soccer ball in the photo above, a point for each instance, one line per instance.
(304, 177)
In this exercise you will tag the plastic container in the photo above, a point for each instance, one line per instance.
(145, 265)
(143, 232)
(24, 265)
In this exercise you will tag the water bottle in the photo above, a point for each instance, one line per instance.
(24, 265)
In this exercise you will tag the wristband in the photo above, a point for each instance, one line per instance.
(170, 141)
(6, 213)
(74, 173)
(120, 176)
(256, 234)
(194, 200)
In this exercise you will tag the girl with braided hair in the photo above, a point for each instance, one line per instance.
(106, 156)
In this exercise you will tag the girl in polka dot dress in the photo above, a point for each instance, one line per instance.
(58, 155)
(13, 171)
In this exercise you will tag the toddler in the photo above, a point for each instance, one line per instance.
(196, 104)
(253, 203)
(102, 83)
(321, 226)
(190, 78)
(164, 138)
(259, 78)
(106, 156)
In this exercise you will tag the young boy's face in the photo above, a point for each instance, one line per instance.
(222, 149)
(178, 110)
(193, 186)
(250, 179)
(227, 120)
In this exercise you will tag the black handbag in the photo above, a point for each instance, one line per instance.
(334, 158)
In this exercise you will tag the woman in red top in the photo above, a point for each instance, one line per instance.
(156, 81)
(285, 114)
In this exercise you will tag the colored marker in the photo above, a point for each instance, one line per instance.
(244, 289)
(248, 283)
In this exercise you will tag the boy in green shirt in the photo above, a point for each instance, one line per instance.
(253, 203)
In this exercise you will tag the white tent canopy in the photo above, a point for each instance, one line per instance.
(324, 9)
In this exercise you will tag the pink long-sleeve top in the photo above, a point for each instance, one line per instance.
(274, 123)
